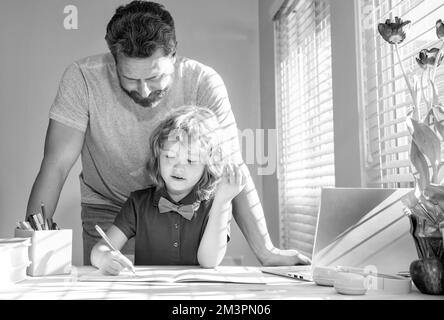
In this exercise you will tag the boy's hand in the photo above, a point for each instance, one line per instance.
(113, 263)
(232, 182)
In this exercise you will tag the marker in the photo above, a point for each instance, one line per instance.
(129, 265)
(25, 226)
(40, 220)
(36, 222)
(54, 226)
(31, 222)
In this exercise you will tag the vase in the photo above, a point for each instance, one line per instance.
(427, 273)
(428, 238)
(441, 227)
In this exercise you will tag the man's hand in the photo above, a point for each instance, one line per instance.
(113, 262)
(232, 182)
(289, 257)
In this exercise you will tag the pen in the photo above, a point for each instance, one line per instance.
(45, 221)
(108, 241)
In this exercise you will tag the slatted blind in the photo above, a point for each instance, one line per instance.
(385, 98)
(304, 117)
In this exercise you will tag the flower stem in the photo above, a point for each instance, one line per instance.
(436, 61)
(405, 76)
(430, 89)
(424, 94)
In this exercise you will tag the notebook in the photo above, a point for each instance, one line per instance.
(180, 274)
(360, 228)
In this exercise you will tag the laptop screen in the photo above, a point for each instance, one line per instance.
(363, 227)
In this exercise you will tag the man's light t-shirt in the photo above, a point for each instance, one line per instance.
(117, 129)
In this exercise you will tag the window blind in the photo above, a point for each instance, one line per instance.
(385, 99)
(304, 117)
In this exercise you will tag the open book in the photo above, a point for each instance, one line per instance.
(172, 274)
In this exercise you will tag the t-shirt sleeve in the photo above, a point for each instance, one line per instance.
(213, 94)
(126, 218)
(70, 105)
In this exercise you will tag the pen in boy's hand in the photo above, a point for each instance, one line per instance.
(128, 263)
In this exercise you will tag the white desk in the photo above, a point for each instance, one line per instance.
(67, 287)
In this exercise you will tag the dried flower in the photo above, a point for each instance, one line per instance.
(393, 32)
(440, 29)
(427, 58)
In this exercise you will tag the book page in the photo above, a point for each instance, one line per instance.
(222, 274)
(171, 274)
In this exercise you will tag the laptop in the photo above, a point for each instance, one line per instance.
(359, 228)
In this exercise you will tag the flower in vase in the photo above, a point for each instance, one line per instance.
(424, 204)
(393, 32)
(427, 58)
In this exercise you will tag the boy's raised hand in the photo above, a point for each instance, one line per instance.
(113, 262)
(232, 182)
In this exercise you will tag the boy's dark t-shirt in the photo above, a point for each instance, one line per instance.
(162, 238)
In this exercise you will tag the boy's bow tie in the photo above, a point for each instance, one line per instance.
(186, 211)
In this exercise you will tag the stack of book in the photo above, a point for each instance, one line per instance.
(14, 259)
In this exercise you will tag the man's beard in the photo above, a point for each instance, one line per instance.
(150, 101)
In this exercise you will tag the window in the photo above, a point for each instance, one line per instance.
(384, 95)
(304, 117)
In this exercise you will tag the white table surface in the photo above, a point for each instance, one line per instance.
(67, 287)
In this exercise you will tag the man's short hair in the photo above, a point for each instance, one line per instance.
(139, 28)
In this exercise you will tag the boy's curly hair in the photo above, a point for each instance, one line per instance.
(184, 124)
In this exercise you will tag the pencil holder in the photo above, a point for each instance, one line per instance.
(50, 251)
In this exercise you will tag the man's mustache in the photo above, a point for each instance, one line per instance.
(148, 101)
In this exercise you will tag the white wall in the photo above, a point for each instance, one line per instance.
(345, 94)
(35, 51)
(267, 8)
